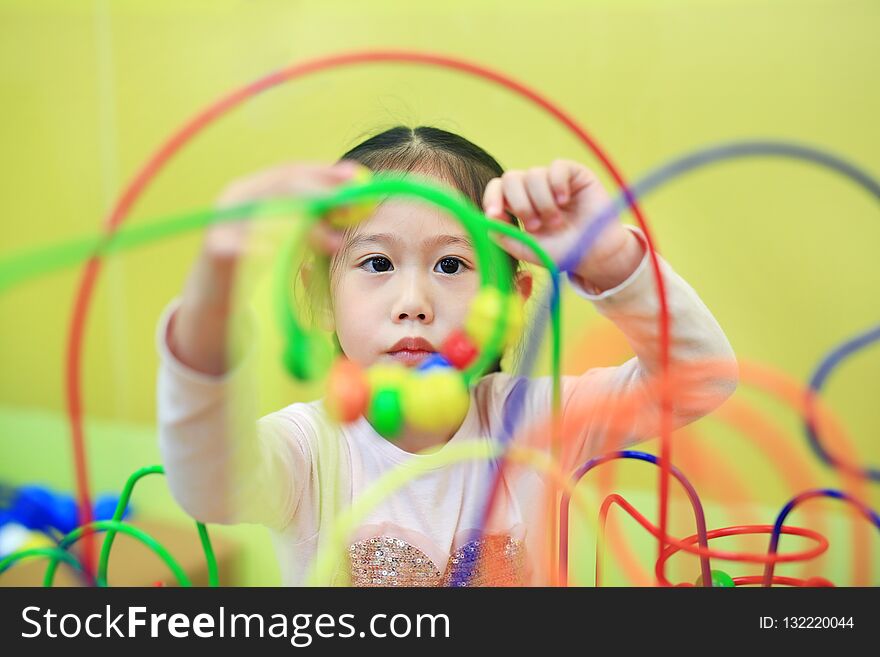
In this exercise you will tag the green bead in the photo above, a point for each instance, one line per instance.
(719, 579)
(385, 412)
(307, 359)
(295, 359)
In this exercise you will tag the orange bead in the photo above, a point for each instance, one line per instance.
(347, 391)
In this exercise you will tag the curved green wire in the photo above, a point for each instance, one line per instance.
(139, 534)
(496, 269)
(113, 526)
(44, 260)
(555, 313)
(39, 261)
(213, 578)
(210, 559)
(53, 552)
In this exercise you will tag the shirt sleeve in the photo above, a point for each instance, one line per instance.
(223, 465)
(608, 408)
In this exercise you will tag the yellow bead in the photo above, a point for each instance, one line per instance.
(486, 309)
(451, 394)
(362, 175)
(436, 399)
(420, 408)
(483, 317)
(387, 375)
(351, 214)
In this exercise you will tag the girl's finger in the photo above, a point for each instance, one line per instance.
(514, 247)
(493, 199)
(325, 238)
(311, 178)
(346, 168)
(293, 178)
(560, 181)
(538, 186)
(517, 200)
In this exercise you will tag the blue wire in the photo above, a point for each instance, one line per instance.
(828, 364)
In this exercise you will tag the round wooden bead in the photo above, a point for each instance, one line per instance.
(351, 214)
(307, 358)
(436, 400)
(420, 407)
(385, 412)
(720, 579)
(485, 311)
(459, 349)
(387, 375)
(432, 361)
(348, 392)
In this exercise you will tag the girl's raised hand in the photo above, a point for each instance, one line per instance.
(555, 204)
(201, 326)
(228, 240)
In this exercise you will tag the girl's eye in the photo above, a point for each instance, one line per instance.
(450, 266)
(379, 264)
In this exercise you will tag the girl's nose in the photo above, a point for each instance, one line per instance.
(413, 302)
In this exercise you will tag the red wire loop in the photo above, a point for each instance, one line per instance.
(194, 126)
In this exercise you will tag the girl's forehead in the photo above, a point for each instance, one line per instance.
(410, 221)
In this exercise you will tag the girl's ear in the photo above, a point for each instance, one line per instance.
(523, 283)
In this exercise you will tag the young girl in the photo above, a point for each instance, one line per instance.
(399, 283)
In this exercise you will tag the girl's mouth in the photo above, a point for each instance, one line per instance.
(410, 357)
(411, 350)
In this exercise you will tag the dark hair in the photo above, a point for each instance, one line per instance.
(433, 151)
(436, 152)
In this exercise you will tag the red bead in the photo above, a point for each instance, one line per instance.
(459, 349)
(347, 391)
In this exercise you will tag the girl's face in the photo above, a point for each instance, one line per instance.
(402, 283)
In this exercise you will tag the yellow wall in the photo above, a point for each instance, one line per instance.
(784, 254)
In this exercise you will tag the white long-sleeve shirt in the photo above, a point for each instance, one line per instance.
(295, 472)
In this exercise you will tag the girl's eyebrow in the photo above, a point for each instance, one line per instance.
(371, 238)
(391, 238)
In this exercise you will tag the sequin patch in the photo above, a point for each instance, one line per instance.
(496, 560)
(490, 561)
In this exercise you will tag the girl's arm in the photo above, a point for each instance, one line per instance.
(223, 464)
(605, 408)
(609, 408)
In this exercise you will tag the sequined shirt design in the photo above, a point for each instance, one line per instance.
(494, 560)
